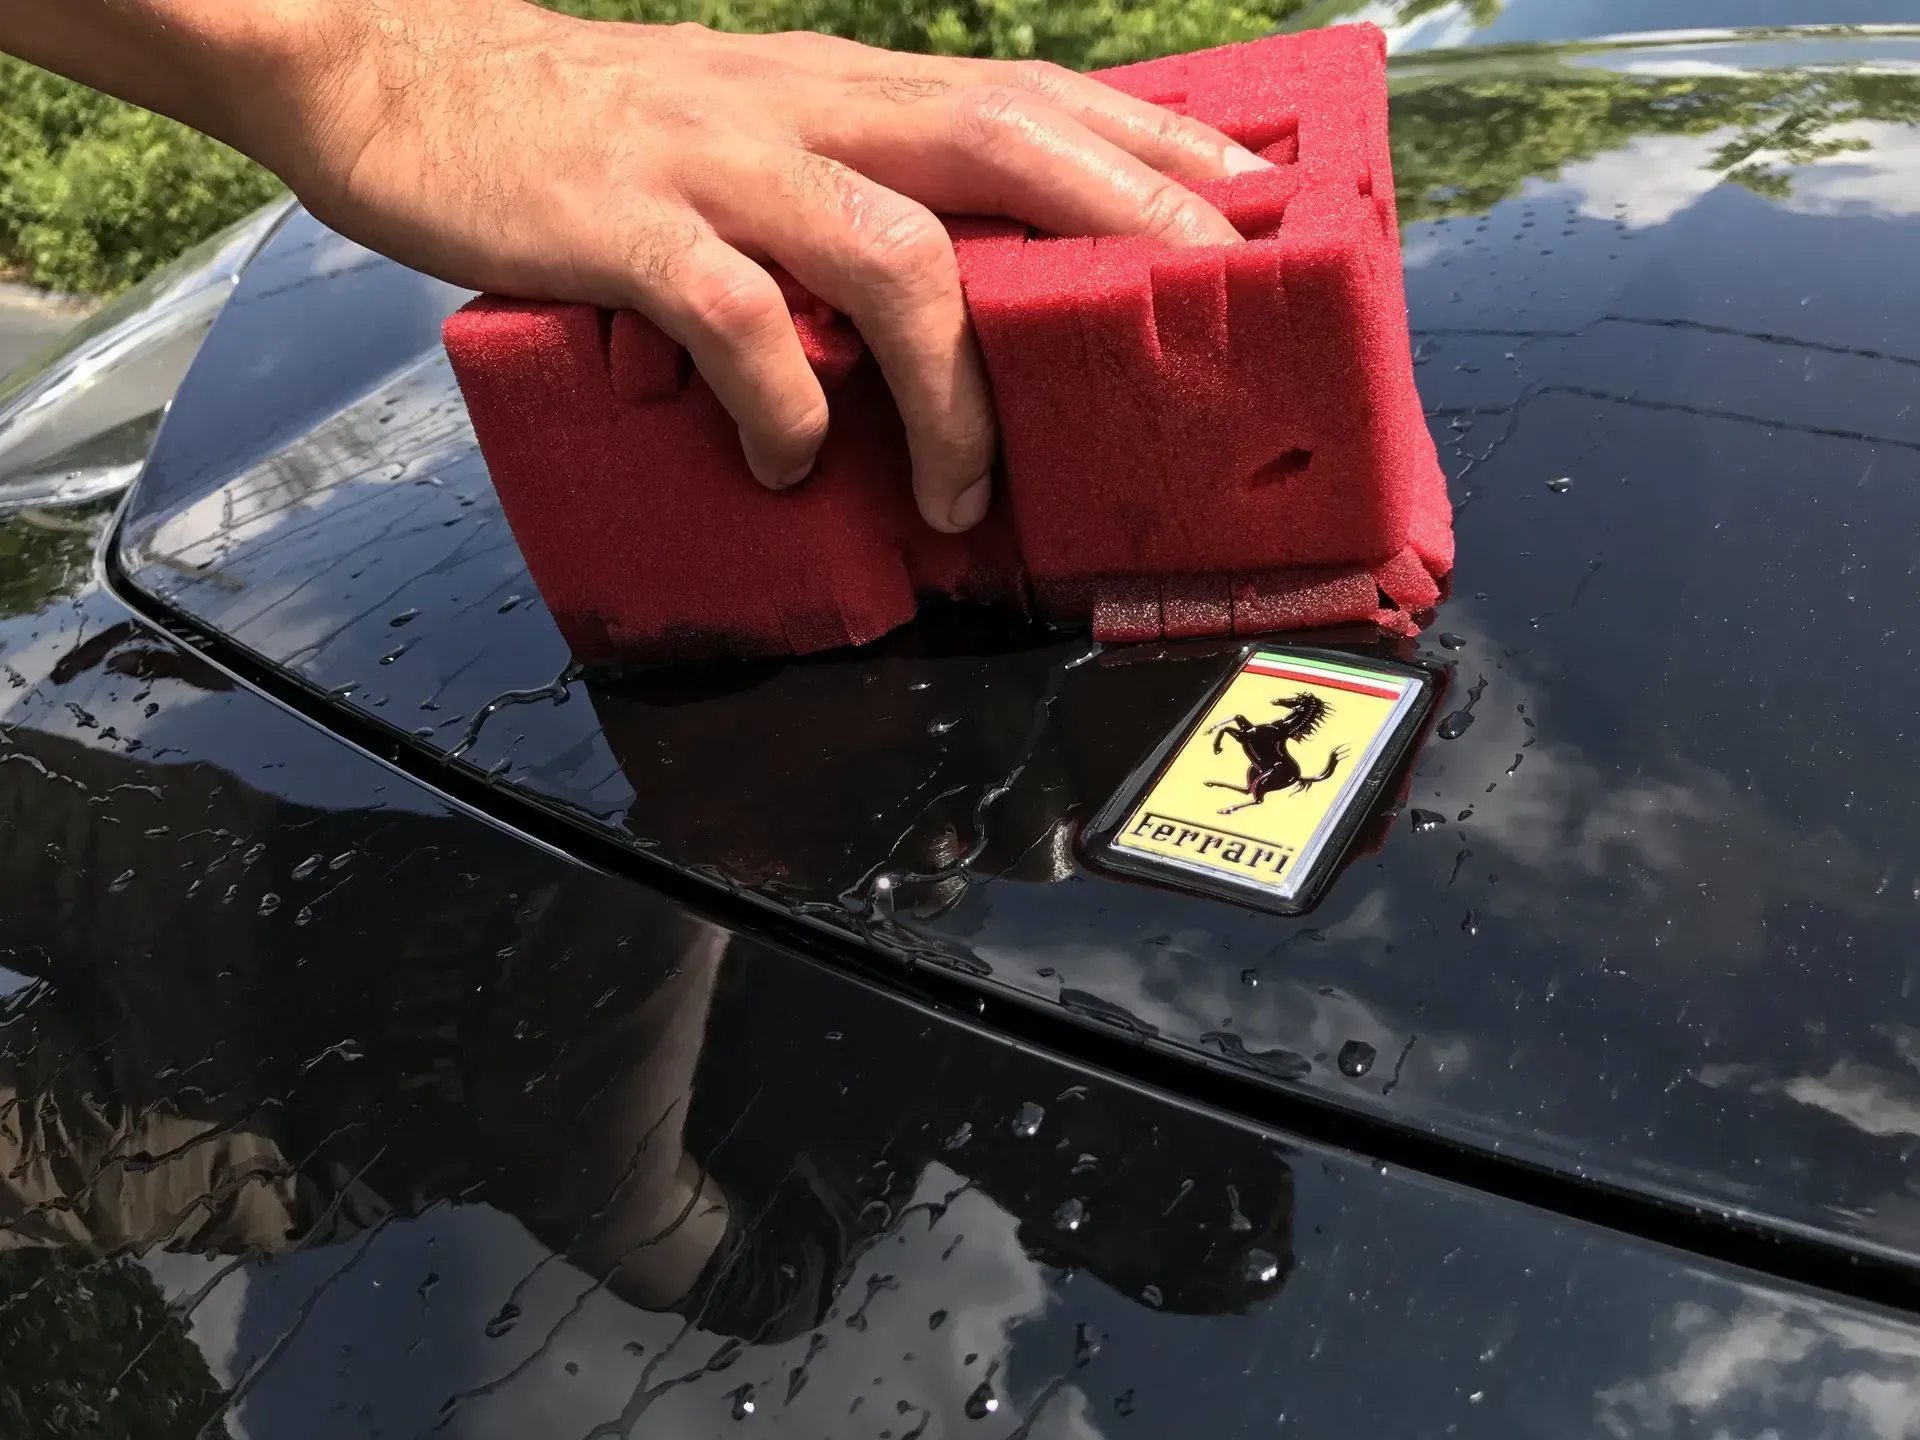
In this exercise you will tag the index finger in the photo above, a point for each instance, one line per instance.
(1170, 142)
(1163, 138)
(991, 150)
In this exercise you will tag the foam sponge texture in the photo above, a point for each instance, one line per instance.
(1194, 441)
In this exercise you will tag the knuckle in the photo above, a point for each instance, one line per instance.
(893, 241)
(1169, 131)
(992, 117)
(737, 303)
(657, 252)
(908, 89)
(909, 249)
(1043, 77)
(1169, 211)
(811, 176)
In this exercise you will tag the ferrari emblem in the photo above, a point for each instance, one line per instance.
(1264, 785)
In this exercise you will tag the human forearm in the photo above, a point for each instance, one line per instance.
(249, 72)
(661, 169)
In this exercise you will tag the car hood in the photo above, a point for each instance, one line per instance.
(1655, 920)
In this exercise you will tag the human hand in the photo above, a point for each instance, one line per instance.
(505, 148)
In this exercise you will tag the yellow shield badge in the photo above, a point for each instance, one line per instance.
(1263, 786)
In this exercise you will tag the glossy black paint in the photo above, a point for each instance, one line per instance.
(1668, 942)
(219, 914)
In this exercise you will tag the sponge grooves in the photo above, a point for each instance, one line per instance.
(1194, 442)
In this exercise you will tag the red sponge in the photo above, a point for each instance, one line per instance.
(1195, 442)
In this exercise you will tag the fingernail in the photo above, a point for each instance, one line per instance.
(971, 507)
(1239, 161)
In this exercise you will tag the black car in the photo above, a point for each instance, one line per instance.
(410, 1035)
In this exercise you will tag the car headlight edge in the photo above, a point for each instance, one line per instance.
(78, 423)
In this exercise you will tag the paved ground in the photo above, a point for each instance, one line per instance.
(28, 325)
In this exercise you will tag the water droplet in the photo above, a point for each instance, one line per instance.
(572, 1367)
(121, 881)
(1456, 725)
(1070, 1216)
(982, 1402)
(339, 861)
(1470, 923)
(1085, 1163)
(918, 685)
(502, 1322)
(1236, 1221)
(1452, 641)
(742, 1402)
(941, 724)
(393, 654)
(1150, 1296)
(936, 1319)
(1424, 821)
(1476, 1397)
(306, 867)
(1355, 1058)
(269, 903)
(1560, 485)
(1259, 1268)
(960, 1137)
(1466, 814)
(508, 604)
(1027, 1120)
(254, 852)
(634, 1347)
(304, 916)
(1282, 1063)
(1250, 977)
(1086, 1344)
(405, 617)
(426, 1286)
(1123, 1402)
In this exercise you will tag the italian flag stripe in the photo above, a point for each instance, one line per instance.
(1335, 677)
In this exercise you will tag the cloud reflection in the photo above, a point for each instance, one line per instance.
(1730, 1372)
(1663, 867)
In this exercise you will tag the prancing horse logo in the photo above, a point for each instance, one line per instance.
(1270, 765)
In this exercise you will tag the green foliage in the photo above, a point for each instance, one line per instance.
(95, 194)
(89, 1351)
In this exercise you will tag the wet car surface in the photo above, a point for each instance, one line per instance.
(268, 964)
(342, 875)
(1652, 922)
